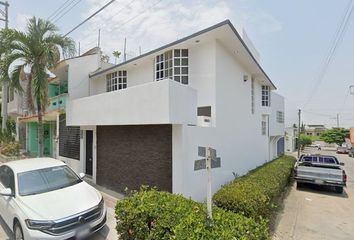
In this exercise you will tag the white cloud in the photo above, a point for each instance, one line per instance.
(150, 24)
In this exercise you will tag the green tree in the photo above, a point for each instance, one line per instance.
(116, 55)
(305, 140)
(36, 50)
(335, 135)
(5, 40)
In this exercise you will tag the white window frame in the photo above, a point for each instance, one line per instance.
(280, 117)
(264, 128)
(116, 80)
(174, 65)
(265, 96)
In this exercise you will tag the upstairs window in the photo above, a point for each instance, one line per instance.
(116, 80)
(280, 117)
(172, 65)
(266, 96)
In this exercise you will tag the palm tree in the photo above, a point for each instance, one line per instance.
(37, 50)
(116, 55)
(5, 39)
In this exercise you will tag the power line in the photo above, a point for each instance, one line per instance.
(337, 39)
(59, 9)
(92, 15)
(62, 15)
(132, 18)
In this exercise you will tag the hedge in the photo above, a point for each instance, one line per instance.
(253, 195)
(150, 214)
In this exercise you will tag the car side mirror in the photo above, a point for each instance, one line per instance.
(341, 163)
(6, 192)
(81, 175)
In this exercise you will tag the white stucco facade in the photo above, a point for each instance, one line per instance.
(223, 76)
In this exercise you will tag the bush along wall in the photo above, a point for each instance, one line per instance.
(150, 214)
(253, 195)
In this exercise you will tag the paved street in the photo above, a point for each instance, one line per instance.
(316, 213)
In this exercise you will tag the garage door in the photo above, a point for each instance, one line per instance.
(134, 155)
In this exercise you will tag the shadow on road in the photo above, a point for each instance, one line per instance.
(323, 190)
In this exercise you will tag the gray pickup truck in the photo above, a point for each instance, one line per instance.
(320, 170)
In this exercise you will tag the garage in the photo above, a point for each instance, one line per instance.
(129, 156)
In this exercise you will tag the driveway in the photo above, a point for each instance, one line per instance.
(318, 213)
(108, 232)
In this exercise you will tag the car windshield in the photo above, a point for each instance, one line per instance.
(45, 180)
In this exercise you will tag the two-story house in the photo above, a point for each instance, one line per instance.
(60, 141)
(143, 120)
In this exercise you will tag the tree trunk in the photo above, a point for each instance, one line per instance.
(40, 130)
(4, 104)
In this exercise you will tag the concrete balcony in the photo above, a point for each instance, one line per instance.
(162, 102)
(57, 102)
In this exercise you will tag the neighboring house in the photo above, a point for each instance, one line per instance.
(142, 120)
(314, 129)
(290, 139)
(60, 141)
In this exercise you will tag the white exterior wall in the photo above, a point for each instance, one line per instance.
(78, 75)
(161, 102)
(78, 87)
(235, 135)
(217, 76)
(277, 104)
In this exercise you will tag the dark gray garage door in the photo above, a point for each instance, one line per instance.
(129, 156)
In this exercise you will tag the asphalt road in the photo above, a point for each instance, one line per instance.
(319, 213)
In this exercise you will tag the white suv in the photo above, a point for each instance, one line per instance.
(43, 198)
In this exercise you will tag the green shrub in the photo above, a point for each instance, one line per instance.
(150, 214)
(252, 195)
(11, 149)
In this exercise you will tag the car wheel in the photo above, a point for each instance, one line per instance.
(299, 185)
(339, 190)
(18, 233)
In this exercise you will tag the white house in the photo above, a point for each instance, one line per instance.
(60, 141)
(142, 120)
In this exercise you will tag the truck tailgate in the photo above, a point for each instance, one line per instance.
(318, 173)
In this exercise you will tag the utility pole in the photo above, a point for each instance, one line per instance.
(99, 38)
(298, 135)
(337, 120)
(5, 89)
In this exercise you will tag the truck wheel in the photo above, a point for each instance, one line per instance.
(299, 184)
(339, 190)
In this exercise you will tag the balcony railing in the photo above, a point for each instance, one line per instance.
(57, 102)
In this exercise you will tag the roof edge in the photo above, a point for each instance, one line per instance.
(225, 22)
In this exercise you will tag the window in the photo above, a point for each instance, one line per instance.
(280, 117)
(172, 64)
(46, 180)
(266, 96)
(7, 178)
(69, 139)
(252, 96)
(116, 80)
(163, 66)
(204, 111)
(264, 128)
(181, 65)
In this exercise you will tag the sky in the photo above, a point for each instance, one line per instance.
(293, 38)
